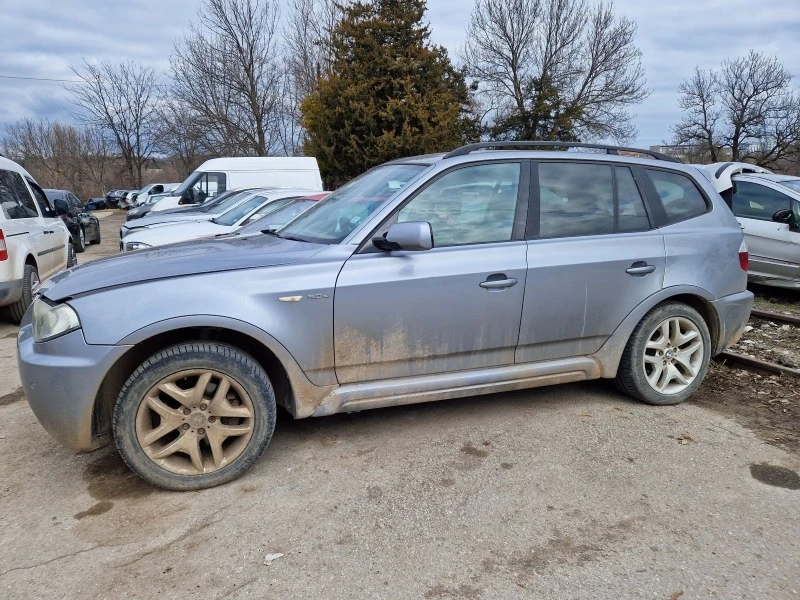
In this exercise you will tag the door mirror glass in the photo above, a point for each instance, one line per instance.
(783, 216)
(411, 236)
(62, 208)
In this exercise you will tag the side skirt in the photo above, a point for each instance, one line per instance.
(355, 397)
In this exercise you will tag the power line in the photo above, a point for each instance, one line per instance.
(41, 79)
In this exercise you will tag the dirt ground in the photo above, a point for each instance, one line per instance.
(573, 491)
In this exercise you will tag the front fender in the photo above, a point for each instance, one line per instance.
(307, 396)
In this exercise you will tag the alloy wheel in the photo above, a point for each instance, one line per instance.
(195, 422)
(673, 355)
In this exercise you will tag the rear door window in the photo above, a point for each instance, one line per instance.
(575, 199)
(754, 201)
(632, 215)
(15, 199)
(678, 195)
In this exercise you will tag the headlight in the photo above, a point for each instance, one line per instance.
(131, 246)
(53, 320)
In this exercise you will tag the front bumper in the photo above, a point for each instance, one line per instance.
(733, 312)
(10, 291)
(61, 379)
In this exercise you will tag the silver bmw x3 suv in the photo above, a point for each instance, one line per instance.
(495, 267)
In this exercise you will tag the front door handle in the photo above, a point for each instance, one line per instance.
(498, 284)
(640, 268)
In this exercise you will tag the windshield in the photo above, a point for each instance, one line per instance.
(242, 210)
(155, 198)
(224, 201)
(792, 184)
(335, 217)
(188, 182)
(278, 218)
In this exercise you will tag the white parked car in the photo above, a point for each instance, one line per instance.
(34, 241)
(152, 189)
(767, 206)
(242, 213)
(219, 174)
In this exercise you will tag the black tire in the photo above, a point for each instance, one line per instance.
(631, 378)
(96, 240)
(29, 278)
(80, 241)
(72, 259)
(222, 358)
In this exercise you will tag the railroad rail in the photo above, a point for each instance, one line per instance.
(762, 365)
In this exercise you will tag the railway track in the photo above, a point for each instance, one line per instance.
(756, 364)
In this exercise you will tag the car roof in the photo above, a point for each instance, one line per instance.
(9, 165)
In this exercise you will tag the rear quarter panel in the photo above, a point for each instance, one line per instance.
(704, 251)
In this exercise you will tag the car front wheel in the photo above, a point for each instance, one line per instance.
(194, 416)
(667, 356)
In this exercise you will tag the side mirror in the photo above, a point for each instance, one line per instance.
(784, 215)
(411, 236)
(62, 208)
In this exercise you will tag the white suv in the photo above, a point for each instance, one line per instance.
(34, 242)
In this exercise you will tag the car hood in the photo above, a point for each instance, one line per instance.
(171, 233)
(150, 221)
(178, 260)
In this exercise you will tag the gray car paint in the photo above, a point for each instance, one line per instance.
(348, 345)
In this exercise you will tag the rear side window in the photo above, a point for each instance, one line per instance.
(15, 199)
(754, 201)
(678, 194)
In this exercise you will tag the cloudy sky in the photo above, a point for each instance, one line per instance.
(42, 38)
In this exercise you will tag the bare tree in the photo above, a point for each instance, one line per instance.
(228, 71)
(746, 109)
(309, 41)
(61, 155)
(554, 69)
(120, 100)
(180, 136)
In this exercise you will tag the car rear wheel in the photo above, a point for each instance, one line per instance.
(96, 239)
(194, 416)
(667, 356)
(30, 284)
(72, 258)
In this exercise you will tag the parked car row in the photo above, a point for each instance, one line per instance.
(231, 213)
(493, 267)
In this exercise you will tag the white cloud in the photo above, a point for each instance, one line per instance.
(41, 38)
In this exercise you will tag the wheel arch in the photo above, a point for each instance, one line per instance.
(292, 388)
(610, 353)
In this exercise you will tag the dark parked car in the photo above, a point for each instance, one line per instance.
(83, 226)
(96, 204)
(114, 196)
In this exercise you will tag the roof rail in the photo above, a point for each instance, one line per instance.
(469, 148)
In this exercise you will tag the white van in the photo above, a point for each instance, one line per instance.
(220, 174)
(34, 241)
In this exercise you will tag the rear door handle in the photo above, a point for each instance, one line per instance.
(498, 284)
(640, 268)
